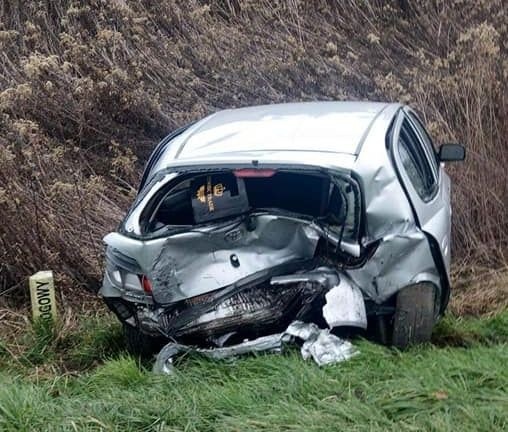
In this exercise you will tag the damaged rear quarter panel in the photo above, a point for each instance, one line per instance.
(403, 256)
(400, 260)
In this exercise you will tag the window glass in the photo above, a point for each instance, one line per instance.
(415, 162)
(427, 141)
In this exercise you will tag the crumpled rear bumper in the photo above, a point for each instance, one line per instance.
(316, 295)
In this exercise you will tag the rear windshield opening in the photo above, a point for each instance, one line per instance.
(206, 198)
(297, 193)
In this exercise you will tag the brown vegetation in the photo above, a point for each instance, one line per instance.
(88, 88)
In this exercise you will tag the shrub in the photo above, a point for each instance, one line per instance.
(87, 88)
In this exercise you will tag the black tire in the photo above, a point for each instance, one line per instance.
(140, 344)
(414, 315)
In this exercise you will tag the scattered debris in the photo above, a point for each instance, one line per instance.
(324, 347)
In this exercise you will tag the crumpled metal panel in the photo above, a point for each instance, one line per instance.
(244, 309)
(400, 260)
(323, 275)
(272, 343)
(403, 255)
(197, 262)
(324, 347)
(345, 305)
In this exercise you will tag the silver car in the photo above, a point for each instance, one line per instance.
(335, 213)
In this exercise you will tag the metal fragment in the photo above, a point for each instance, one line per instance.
(324, 347)
(345, 305)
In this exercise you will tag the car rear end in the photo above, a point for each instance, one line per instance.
(198, 258)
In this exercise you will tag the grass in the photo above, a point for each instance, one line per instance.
(85, 381)
(87, 89)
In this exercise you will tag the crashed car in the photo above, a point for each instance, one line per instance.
(331, 213)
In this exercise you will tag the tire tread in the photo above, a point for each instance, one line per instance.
(414, 315)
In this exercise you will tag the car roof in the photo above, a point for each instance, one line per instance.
(336, 127)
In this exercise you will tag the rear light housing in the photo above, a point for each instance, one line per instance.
(253, 173)
(146, 284)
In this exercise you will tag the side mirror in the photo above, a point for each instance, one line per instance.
(451, 153)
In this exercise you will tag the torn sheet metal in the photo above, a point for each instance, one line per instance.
(400, 260)
(345, 305)
(322, 275)
(210, 281)
(324, 347)
(246, 308)
(272, 343)
(389, 218)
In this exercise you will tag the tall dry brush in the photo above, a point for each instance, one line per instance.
(87, 88)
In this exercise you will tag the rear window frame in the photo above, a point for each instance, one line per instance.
(151, 206)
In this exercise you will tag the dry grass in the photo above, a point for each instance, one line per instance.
(480, 293)
(81, 338)
(87, 88)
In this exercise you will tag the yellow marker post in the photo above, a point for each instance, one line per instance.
(42, 293)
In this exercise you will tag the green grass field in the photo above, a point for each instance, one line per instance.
(83, 380)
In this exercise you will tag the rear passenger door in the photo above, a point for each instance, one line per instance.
(425, 181)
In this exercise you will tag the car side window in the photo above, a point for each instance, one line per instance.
(415, 162)
(427, 141)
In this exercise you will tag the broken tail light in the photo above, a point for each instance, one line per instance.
(146, 284)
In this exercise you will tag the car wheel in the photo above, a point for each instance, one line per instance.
(414, 315)
(140, 344)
